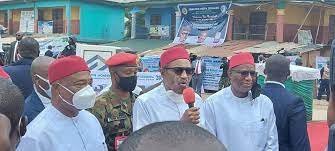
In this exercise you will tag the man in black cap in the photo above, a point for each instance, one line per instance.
(70, 49)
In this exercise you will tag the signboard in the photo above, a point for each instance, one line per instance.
(212, 74)
(96, 55)
(204, 23)
(27, 21)
(159, 30)
(58, 44)
(101, 79)
(150, 63)
(321, 62)
(45, 27)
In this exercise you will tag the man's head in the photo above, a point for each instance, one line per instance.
(29, 48)
(19, 36)
(171, 136)
(70, 79)
(298, 61)
(184, 32)
(11, 105)
(123, 69)
(176, 69)
(72, 40)
(39, 73)
(277, 68)
(202, 36)
(242, 73)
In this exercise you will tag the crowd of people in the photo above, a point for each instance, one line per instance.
(48, 104)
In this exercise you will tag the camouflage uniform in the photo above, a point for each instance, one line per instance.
(114, 117)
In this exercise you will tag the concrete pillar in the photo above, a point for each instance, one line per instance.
(178, 20)
(68, 18)
(35, 19)
(10, 21)
(280, 25)
(230, 25)
(133, 25)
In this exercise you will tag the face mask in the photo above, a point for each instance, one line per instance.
(127, 84)
(83, 99)
(47, 91)
(173, 96)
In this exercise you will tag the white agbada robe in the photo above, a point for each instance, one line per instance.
(241, 124)
(53, 131)
(155, 106)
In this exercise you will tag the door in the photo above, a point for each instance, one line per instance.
(331, 28)
(257, 24)
(57, 17)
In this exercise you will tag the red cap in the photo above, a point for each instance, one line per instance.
(3, 74)
(66, 66)
(173, 54)
(241, 58)
(122, 58)
(189, 95)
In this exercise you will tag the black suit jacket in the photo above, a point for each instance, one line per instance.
(290, 118)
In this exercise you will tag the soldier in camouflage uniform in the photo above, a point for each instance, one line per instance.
(114, 107)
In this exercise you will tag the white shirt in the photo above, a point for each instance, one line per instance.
(53, 131)
(15, 51)
(155, 106)
(241, 124)
(275, 82)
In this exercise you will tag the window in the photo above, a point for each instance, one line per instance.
(156, 20)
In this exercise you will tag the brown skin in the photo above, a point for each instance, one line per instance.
(241, 85)
(74, 82)
(19, 36)
(122, 72)
(40, 67)
(5, 127)
(178, 83)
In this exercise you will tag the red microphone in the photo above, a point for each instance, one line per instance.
(189, 97)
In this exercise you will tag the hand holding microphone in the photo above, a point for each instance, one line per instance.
(192, 114)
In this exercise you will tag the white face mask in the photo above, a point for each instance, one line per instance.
(173, 96)
(47, 91)
(83, 99)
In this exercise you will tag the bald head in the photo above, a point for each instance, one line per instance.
(40, 66)
(277, 68)
(171, 136)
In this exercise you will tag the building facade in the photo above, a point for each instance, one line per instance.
(249, 19)
(90, 20)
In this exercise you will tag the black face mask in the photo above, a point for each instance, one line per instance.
(127, 84)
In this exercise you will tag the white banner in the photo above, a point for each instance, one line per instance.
(212, 74)
(45, 27)
(96, 55)
(101, 79)
(58, 44)
(150, 63)
(27, 21)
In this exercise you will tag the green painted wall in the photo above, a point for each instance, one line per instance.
(100, 23)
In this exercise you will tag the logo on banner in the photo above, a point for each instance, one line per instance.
(96, 63)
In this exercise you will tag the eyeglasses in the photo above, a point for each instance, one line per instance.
(180, 70)
(246, 73)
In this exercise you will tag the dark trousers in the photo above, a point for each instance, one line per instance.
(197, 82)
(324, 87)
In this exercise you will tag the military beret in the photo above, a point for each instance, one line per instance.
(122, 58)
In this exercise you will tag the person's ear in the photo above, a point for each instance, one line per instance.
(265, 71)
(229, 73)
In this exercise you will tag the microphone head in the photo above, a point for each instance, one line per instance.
(189, 95)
